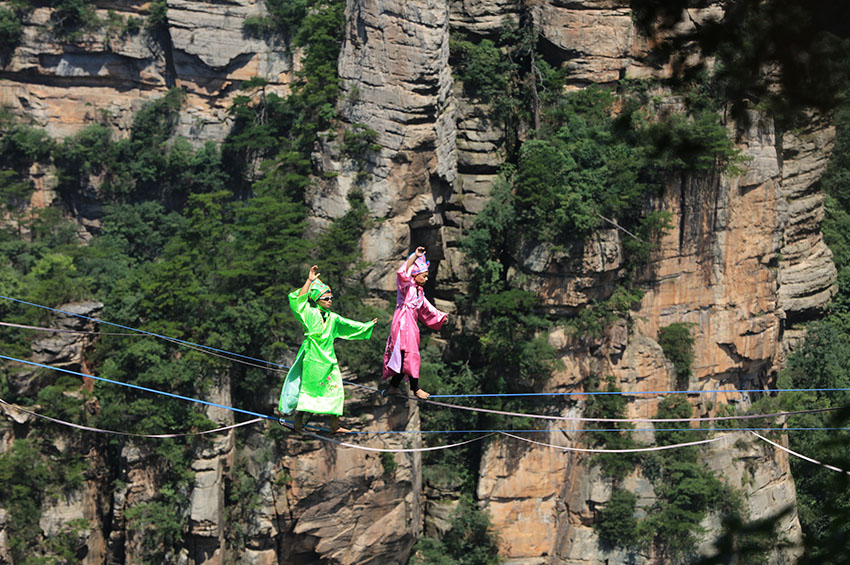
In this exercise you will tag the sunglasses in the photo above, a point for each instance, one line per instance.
(328, 297)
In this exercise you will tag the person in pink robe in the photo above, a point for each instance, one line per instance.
(401, 357)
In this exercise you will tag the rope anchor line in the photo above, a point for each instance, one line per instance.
(446, 405)
(277, 367)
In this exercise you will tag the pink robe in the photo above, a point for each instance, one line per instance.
(403, 343)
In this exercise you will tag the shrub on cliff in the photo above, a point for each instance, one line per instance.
(616, 523)
(21, 146)
(72, 17)
(677, 343)
(11, 29)
(469, 540)
(614, 466)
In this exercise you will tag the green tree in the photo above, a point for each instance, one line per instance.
(613, 465)
(469, 540)
(677, 343)
(616, 523)
(686, 489)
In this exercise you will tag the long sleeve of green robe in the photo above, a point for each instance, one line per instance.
(314, 382)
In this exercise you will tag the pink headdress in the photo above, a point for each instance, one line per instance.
(421, 265)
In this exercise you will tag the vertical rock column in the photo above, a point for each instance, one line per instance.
(5, 552)
(396, 80)
(207, 520)
(806, 272)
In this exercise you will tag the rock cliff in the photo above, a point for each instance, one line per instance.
(743, 262)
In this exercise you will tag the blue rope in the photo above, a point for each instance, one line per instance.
(567, 430)
(146, 389)
(174, 339)
(522, 394)
(376, 432)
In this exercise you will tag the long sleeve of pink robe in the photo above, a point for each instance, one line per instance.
(402, 352)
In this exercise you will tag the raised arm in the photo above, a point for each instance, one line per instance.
(311, 276)
(298, 302)
(403, 278)
(420, 251)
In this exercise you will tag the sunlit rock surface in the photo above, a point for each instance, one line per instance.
(744, 260)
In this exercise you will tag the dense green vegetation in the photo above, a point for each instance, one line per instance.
(199, 243)
(468, 541)
(71, 21)
(686, 490)
(678, 345)
(11, 26)
(204, 243)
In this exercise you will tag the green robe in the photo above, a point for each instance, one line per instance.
(314, 383)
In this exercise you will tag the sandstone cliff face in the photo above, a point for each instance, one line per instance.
(720, 269)
(396, 80)
(109, 75)
(744, 260)
(731, 265)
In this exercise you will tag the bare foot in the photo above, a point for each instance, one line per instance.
(394, 391)
(299, 421)
(336, 428)
(421, 394)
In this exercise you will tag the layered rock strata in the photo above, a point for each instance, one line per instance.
(720, 268)
(108, 74)
(744, 260)
(396, 80)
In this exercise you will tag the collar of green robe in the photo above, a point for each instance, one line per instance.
(317, 289)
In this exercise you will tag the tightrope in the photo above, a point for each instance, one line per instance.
(395, 450)
(484, 410)
(114, 432)
(641, 392)
(421, 449)
(801, 456)
(487, 433)
(629, 450)
(144, 388)
(237, 359)
(623, 420)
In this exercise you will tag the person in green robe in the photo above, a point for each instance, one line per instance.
(314, 382)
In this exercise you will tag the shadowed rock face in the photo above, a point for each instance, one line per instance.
(744, 260)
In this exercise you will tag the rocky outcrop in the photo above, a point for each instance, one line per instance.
(594, 40)
(343, 505)
(484, 17)
(806, 272)
(744, 255)
(109, 73)
(5, 551)
(76, 512)
(207, 518)
(78, 515)
(764, 481)
(718, 268)
(62, 347)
